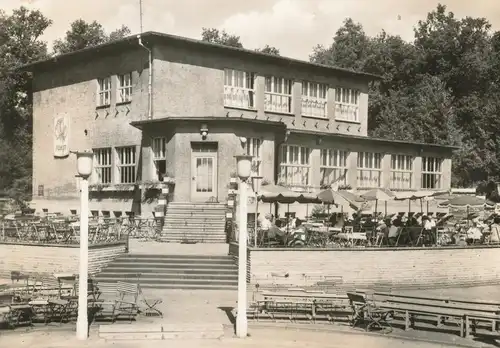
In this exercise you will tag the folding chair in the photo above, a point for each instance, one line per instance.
(366, 311)
(126, 304)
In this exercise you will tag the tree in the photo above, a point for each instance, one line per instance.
(220, 37)
(444, 87)
(82, 35)
(269, 50)
(19, 44)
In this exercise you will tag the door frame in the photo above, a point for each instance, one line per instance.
(202, 197)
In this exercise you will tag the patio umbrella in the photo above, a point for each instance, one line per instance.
(341, 197)
(419, 195)
(379, 194)
(468, 202)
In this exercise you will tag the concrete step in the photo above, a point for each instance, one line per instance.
(215, 276)
(189, 287)
(194, 226)
(170, 271)
(176, 257)
(196, 208)
(195, 221)
(221, 237)
(120, 332)
(173, 282)
(153, 265)
(172, 261)
(190, 240)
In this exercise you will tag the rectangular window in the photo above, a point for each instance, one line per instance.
(347, 104)
(401, 172)
(333, 166)
(41, 190)
(369, 170)
(159, 148)
(431, 173)
(104, 91)
(278, 94)
(314, 99)
(239, 89)
(126, 164)
(102, 159)
(254, 149)
(124, 88)
(295, 165)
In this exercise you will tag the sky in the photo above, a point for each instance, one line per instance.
(293, 26)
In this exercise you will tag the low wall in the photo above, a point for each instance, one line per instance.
(56, 258)
(378, 267)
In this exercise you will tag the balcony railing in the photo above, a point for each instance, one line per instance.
(291, 175)
(400, 180)
(239, 97)
(314, 107)
(369, 178)
(347, 112)
(277, 102)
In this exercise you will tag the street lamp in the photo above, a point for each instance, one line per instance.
(244, 170)
(84, 168)
(256, 181)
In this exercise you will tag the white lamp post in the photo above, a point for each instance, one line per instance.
(256, 181)
(244, 170)
(84, 168)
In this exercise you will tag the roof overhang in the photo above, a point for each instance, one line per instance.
(379, 141)
(179, 120)
(154, 38)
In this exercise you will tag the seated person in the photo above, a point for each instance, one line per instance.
(495, 231)
(393, 232)
(265, 221)
(474, 234)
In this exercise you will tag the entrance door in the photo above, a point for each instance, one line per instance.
(204, 172)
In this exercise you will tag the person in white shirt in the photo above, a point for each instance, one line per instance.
(265, 222)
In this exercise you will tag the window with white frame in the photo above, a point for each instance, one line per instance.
(254, 149)
(103, 169)
(159, 147)
(314, 99)
(126, 164)
(401, 172)
(104, 91)
(295, 167)
(347, 104)
(239, 89)
(432, 173)
(333, 166)
(278, 94)
(369, 170)
(124, 88)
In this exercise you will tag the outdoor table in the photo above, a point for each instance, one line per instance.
(151, 304)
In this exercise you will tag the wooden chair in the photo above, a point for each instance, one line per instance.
(366, 311)
(127, 302)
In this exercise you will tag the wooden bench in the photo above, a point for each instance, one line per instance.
(295, 306)
(469, 313)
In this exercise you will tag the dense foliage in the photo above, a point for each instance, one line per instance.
(442, 87)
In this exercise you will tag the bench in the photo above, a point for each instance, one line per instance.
(468, 313)
(295, 306)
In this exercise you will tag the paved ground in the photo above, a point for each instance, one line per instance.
(137, 246)
(263, 337)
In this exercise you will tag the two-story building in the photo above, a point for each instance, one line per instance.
(160, 105)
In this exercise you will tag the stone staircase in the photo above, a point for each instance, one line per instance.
(196, 272)
(194, 223)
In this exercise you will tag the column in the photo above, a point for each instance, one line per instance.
(259, 86)
(446, 170)
(352, 170)
(315, 166)
(386, 171)
(417, 173)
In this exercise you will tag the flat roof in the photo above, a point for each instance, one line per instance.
(152, 37)
(140, 124)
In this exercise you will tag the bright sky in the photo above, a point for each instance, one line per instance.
(293, 26)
